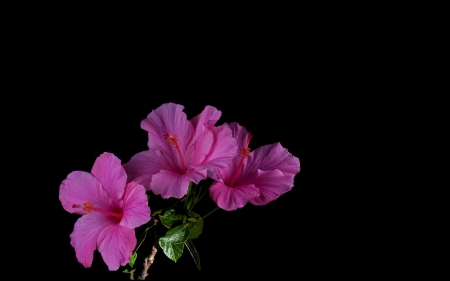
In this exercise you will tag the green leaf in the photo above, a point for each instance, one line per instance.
(129, 271)
(172, 250)
(193, 251)
(195, 225)
(133, 259)
(173, 242)
(156, 213)
(177, 234)
(170, 217)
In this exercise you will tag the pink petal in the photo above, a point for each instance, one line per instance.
(223, 149)
(213, 174)
(168, 118)
(239, 133)
(80, 187)
(244, 176)
(232, 198)
(271, 157)
(204, 137)
(208, 118)
(271, 185)
(196, 173)
(170, 184)
(143, 165)
(136, 211)
(85, 233)
(203, 141)
(116, 244)
(110, 173)
(226, 173)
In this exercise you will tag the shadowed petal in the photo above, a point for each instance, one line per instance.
(80, 187)
(208, 117)
(271, 185)
(143, 165)
(223, 149)
(110, 173)
(196, 173)
(84, 236)
(232, 198)
(116, 244)
(135, 207)
(227, 173)
(204, 140)
(169, 184)
(239, 133)
(271, 157)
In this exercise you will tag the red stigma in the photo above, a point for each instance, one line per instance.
(174, 141)
(245, 152)
(249, 137)
(89, 206)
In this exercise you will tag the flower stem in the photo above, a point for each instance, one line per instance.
(212, 211)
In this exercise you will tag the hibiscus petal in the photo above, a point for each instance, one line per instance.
(232, 198)
(116, 244)
(208, 117)
(169, 184)
(223, 149)
(226, 173)
(271, 157)
(196, 173)
(84, 236)
(110, 173)
(214, 174)
(204, 137)
(239, 133)
(143, 165)
(204, 140)
(271, 185)
(241, 139)
(135, 207)
(168, 118)
(80, 187)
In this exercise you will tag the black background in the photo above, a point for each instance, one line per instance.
(290, 234)
(89, 97)
(253, 241)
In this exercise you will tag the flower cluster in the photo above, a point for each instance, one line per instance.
(113, 199)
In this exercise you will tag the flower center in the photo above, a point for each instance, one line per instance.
(174, 141)
(245, 151)
(89, 206)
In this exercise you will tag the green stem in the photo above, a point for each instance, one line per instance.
(201, 195)
(187, 196)
(142, 238)
(212, 211)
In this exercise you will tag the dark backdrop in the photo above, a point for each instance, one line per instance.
(86, 100)
(90, 115)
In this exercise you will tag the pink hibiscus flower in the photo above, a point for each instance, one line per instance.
(180, 150)
(258, 177)
(110, 209)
